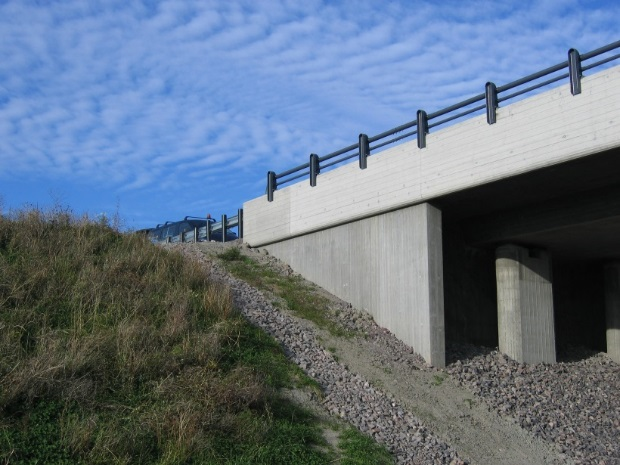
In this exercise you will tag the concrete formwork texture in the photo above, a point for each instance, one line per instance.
(546, 173)
(390, 265)
(525, 304)
(612, 309)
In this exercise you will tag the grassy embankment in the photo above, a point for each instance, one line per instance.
(113, 350)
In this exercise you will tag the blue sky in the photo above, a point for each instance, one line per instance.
(159, 109)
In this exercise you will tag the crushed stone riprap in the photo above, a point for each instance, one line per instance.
(575, 404)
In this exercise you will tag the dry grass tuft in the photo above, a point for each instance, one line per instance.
(113, 350)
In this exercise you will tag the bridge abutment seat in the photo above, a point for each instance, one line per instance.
(612, 309)
(525, 304)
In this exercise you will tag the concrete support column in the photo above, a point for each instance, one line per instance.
(612, 309)
(525, 304)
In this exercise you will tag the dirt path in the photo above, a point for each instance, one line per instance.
(450, 411)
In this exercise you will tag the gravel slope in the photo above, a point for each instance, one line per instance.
(482, 409)
(574, 404)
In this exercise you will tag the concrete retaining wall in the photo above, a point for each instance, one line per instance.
(389, 265)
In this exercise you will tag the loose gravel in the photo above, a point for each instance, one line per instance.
(573, 405)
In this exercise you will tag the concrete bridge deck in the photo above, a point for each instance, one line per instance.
(503, 234)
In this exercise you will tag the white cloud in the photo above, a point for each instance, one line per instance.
(135, 95)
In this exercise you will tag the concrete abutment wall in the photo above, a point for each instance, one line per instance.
(579, 304)
(390, 265)
(399, 266)
(470, 295)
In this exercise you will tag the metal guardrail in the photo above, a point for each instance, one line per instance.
(204, 233)
(488, 101)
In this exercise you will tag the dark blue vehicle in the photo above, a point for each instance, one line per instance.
(172, 230)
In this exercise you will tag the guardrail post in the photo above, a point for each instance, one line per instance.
(271, 185)
(490, 92)
(240, 223)
(224, 227)
(195, 235)
(182, 237)
(574, 71)
(315, 169)
(422, 128)
(364, 150)
(208, 230)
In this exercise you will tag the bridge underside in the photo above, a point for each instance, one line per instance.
(530, 264)
(568, 216)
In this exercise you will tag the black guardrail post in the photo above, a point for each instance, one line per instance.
(208, 228)
(422, 128)
(240, 223)
(574, 71)
(315, 169)
(490, 92)
(224, 227)
(271, 185)
(364, 150)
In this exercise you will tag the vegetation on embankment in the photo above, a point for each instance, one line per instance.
(293, 291)
(113, 350)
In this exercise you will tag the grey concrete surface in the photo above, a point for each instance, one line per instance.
(612, 308)
(525, 304)
(390, 265)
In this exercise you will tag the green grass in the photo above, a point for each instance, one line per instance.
(299, 297)
(438, 379)
(115, 351)
(359, 449)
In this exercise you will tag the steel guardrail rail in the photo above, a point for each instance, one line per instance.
(204, 233)
(489, 101)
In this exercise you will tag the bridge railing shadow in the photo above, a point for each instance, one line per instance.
(487, 102)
